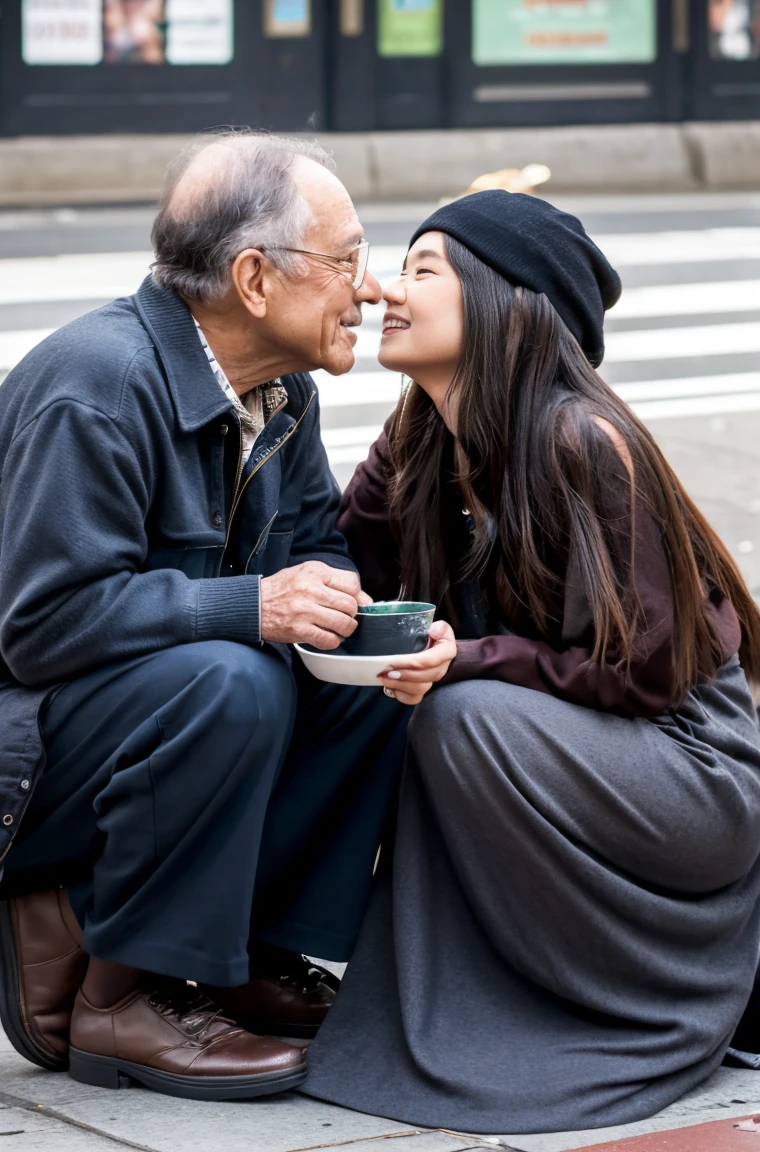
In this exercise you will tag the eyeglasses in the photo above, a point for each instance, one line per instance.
(355, 263)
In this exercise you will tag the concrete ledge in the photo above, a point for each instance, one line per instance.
(410, 165)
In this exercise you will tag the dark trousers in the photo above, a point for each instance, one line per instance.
(208, 801)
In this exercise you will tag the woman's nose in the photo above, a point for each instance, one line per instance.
(394, 292)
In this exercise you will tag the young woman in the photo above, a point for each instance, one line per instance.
(571, 926)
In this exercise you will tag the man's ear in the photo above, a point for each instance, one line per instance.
(251, 273)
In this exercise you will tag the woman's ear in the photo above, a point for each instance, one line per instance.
(250, 278)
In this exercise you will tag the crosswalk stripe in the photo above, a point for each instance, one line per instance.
(650, 399)
(386, 386)
(104, 275)
(637, 345)
(90, 276)
(15, 345)
(688, 299)
(700, 299)
(698, 406)
(636, 248)
(347, 437)
(358, 440)
(357, 388)
(633, 248)
(641, 343)
(672, 343)
(679, 388)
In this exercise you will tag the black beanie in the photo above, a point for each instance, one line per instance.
(531, 243)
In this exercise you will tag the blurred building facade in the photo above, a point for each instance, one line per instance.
(125, 66)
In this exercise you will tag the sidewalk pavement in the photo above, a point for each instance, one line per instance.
(48, 1112)
(413, 165)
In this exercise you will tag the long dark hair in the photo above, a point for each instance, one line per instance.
(529, 470)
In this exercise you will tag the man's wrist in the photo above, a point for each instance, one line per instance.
(229, 608)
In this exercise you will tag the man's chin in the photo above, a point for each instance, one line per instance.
(338, 365)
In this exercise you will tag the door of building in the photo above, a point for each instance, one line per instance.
(388, 68)
(526, 62)
(101, 66)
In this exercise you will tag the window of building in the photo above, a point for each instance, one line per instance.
(410, 27)
(563, 31)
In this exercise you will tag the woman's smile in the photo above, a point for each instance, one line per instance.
(392, 322)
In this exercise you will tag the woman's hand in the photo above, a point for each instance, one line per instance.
(409, 678)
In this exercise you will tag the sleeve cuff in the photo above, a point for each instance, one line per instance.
(229, 608)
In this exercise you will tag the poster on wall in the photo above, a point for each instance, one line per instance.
(410, 27)
(62, 31)
(134, 32)
(563, 31)
(734, 27)
(127, 31)
(199, 31)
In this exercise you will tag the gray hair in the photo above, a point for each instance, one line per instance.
(248, 199)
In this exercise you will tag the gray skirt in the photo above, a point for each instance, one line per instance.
(570, 927)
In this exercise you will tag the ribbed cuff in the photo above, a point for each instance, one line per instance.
(229, 608)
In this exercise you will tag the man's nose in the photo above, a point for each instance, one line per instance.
(369, 293)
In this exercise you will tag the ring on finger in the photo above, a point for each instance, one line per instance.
(390, 692)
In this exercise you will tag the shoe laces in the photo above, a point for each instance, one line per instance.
(192, 1010)
(304, 975)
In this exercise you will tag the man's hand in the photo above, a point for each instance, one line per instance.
(411, 677)
(310, 604)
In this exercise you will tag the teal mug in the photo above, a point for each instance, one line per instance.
(389, 628)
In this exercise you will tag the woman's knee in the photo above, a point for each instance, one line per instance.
(454, 710)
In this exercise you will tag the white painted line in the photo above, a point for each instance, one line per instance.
(690, 386)
(352, 455)
(643, 343)
(91, 276)
(698, 406)
(345, 437)
(385, 387)
(680, 247)
(357, 388)
(15, 345)
(672, 343)
(630, 248)
(688, 299)
(700, 299)
(651, 400)
(104, 275)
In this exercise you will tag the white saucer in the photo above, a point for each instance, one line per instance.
(337, 669)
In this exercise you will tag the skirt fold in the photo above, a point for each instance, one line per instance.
(570, 927)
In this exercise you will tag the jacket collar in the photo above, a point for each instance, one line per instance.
(195, 392)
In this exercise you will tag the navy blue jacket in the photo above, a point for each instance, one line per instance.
(125, 526)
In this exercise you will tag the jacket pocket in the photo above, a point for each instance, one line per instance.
(196, 563)
(271, 555)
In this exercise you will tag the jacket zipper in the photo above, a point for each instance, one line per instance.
(239, 491)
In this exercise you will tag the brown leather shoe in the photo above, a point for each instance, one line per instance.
(173, 1039)
(293, 1004)
(41, 968)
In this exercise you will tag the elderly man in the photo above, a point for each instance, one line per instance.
(187, 806)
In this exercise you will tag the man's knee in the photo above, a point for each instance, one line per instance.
(237, 687)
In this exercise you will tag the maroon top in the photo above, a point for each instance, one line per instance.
(559, 663)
